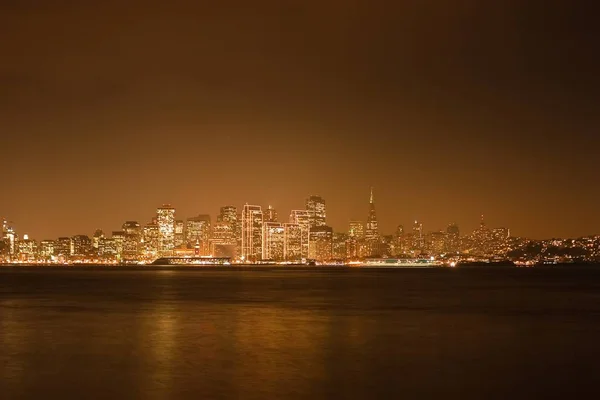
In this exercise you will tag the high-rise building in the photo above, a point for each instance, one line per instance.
(81, 245)
(273, 241)
(133, 240)
(96, 239)
(418, 241)
(321, 243)
(62, 247)
(47, 249)
(150, 241)
(252, 235)
(372, 231)
(229, 215)
(270, 214)
(119, 238)
(356, 230)
(27, 249)
(198, 229)
(340, 246)
(108, 249)
(315, 205)
(292, 250)
(179, 233)
(452, 239)
(165, 217)
(302, 219)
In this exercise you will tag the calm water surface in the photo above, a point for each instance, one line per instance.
(297, 334)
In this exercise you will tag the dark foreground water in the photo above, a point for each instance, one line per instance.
(286, 334)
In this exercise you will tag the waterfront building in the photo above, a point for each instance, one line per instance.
(119, 238)
(62, 248)
(165, 217)
(292, 250)
(81, 246)
(315, 205)
(179, 233)
(302, 219)
(99, 234)
(150, 241)
(321, 243)
(47, 249)
(133, 240)
(26, 249)
(273, 241)
(340, 245)
(198, 229)
(252, 233)
(108, 248)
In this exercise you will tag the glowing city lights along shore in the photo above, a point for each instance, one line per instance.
(255, 235)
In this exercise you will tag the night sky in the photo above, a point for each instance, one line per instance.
(450, 109)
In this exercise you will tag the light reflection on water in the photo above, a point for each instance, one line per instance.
(414, 334)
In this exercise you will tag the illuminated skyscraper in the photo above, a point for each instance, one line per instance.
(26, 249)
(198, 229)
(47, 249)
(62, 248)
(417, 237)
(321, 243)
(179, 233)
(270, 214)
(292, 250)
(119, 239)
(315, 205)
(150, 241)
(231, 228)
(452, 238)
(252, 235)
(273, 241)
(356, 230)
(340, 246)
(302, 219)
(81, 245)
(133, 240)
(165, 216)
(96, 239)
(372, 231)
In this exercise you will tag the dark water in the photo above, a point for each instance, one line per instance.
(390, 334)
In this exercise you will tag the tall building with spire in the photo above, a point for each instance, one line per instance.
(372, 238)
(372, 231)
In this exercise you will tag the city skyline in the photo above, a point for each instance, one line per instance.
(390, 227)
(449, 109)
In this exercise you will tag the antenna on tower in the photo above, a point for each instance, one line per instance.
(371, 200)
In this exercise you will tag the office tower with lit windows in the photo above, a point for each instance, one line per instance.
(81, 246)
(252, 233)
(47, 249)
(119, 238)
(99, 234)
(108, 249)
(302, 219)
(165, 217)
(231, 230)
(372, 237)
(150, 241)
(270, 214)
(26, 249)
(179, 233)
(340, 246)
(198, 229)
(292, 242)
(356, 230)
(315, 205)
(452, 238)
(321, 243)
(417, 244)
(62, 248)
(133, 240)
(273, 241)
